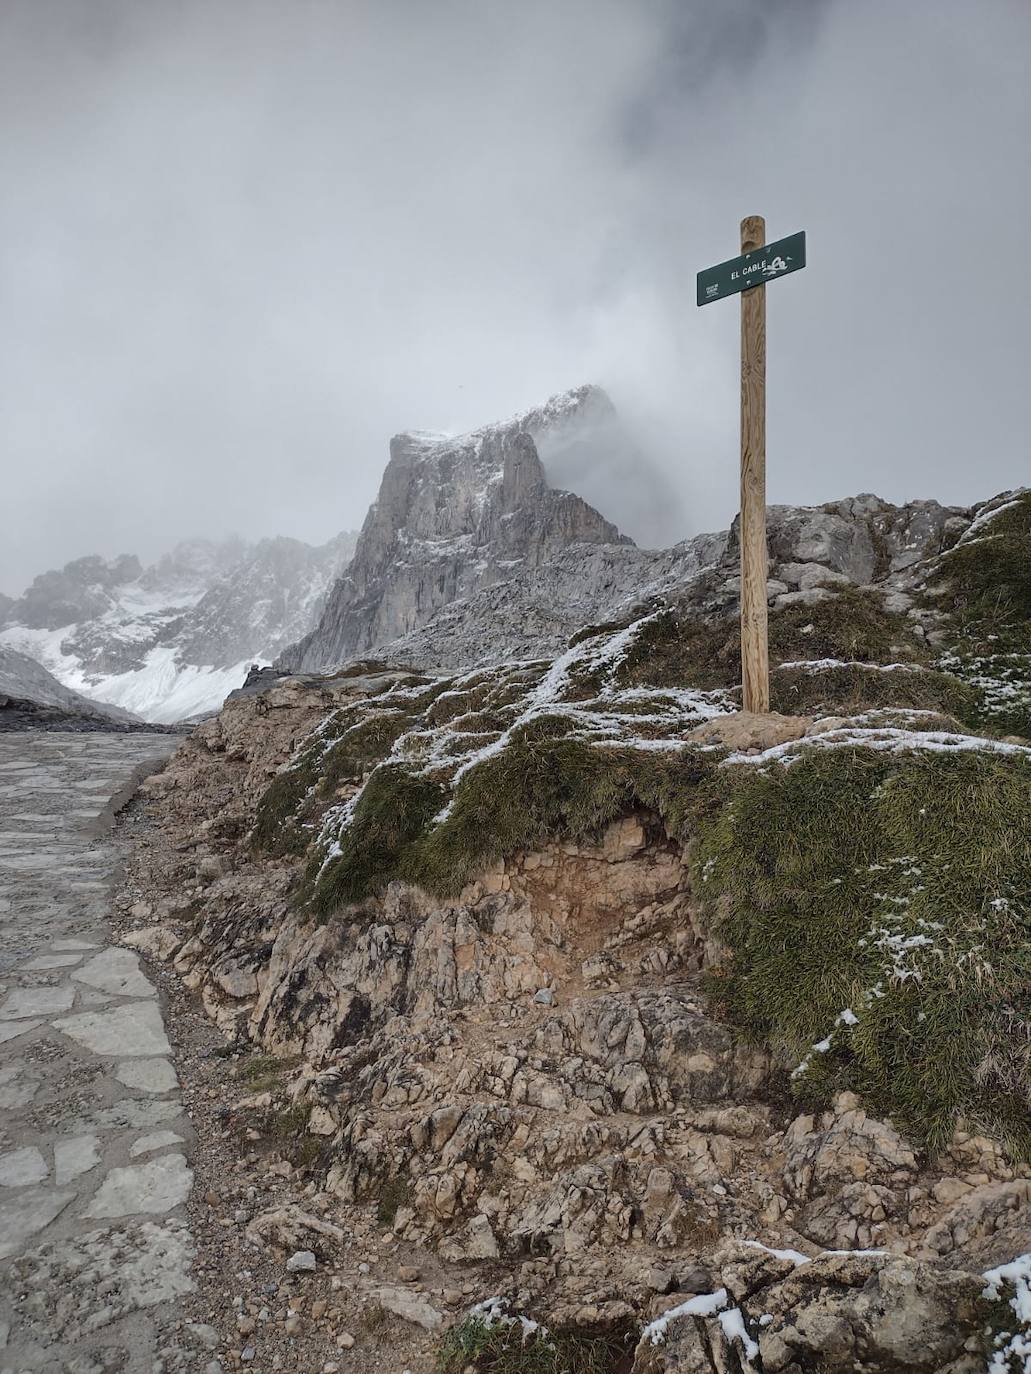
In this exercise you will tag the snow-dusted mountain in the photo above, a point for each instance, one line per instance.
(457, 514)
(171, 640)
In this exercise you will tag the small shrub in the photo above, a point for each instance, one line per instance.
(374, 1317)
(503, 1347)
(264, 1072)
(395, 1193)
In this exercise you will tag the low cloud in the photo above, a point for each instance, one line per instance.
(246, 241)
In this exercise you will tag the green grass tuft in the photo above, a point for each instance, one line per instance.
(278, 828)
(359, 748)
(394, 810)
(851, 625)
(497, 1347)
(677, 650)
(395, 1193)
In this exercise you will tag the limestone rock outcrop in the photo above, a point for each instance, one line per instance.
(453, 515)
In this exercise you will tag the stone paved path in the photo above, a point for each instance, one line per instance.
(94, 1246)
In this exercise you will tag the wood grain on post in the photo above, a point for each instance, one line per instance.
(755, 654)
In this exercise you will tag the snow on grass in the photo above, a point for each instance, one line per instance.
(902, 951)
(820, 664)
(495, 1312)
(976, 529)
(884, 739)
(1012, 1354)
(436, 750)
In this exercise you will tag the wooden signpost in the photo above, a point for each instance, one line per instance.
(759, 263)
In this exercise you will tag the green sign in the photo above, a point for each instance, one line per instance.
(752, 269)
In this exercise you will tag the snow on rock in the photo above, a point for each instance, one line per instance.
(1012, 1354)
(703, 1305)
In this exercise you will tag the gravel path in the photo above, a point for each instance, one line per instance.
(95, 1249)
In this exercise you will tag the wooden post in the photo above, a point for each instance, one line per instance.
(755, 653)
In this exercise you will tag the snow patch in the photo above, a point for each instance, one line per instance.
(886, 740)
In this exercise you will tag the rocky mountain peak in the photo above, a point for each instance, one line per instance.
(454, 514)
(84, 587)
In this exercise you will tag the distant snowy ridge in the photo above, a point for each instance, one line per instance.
(172, 640)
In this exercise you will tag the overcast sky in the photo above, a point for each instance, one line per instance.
(242, 242)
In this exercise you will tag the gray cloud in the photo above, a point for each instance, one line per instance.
(244, 241)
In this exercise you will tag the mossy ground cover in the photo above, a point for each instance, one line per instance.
(348, 743)
(536, 755)
(984, 581)
(850, 688)
(878, 907)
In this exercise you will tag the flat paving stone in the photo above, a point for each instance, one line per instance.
(10, 1030)
(157, 1186)
(116, 971)
(159, 1140)
(25, 1002)
(148, 1075)
(18, 1168)
(24, 1213)
(18, 1086)
(75, 1157)
(51, 961)
(131, 1114)
(133, 1030)
(73, 944)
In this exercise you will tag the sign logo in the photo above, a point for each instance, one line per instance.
(752, 269)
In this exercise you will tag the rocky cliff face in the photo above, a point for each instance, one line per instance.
(532, 612)
(172, 639)
(453, 515)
